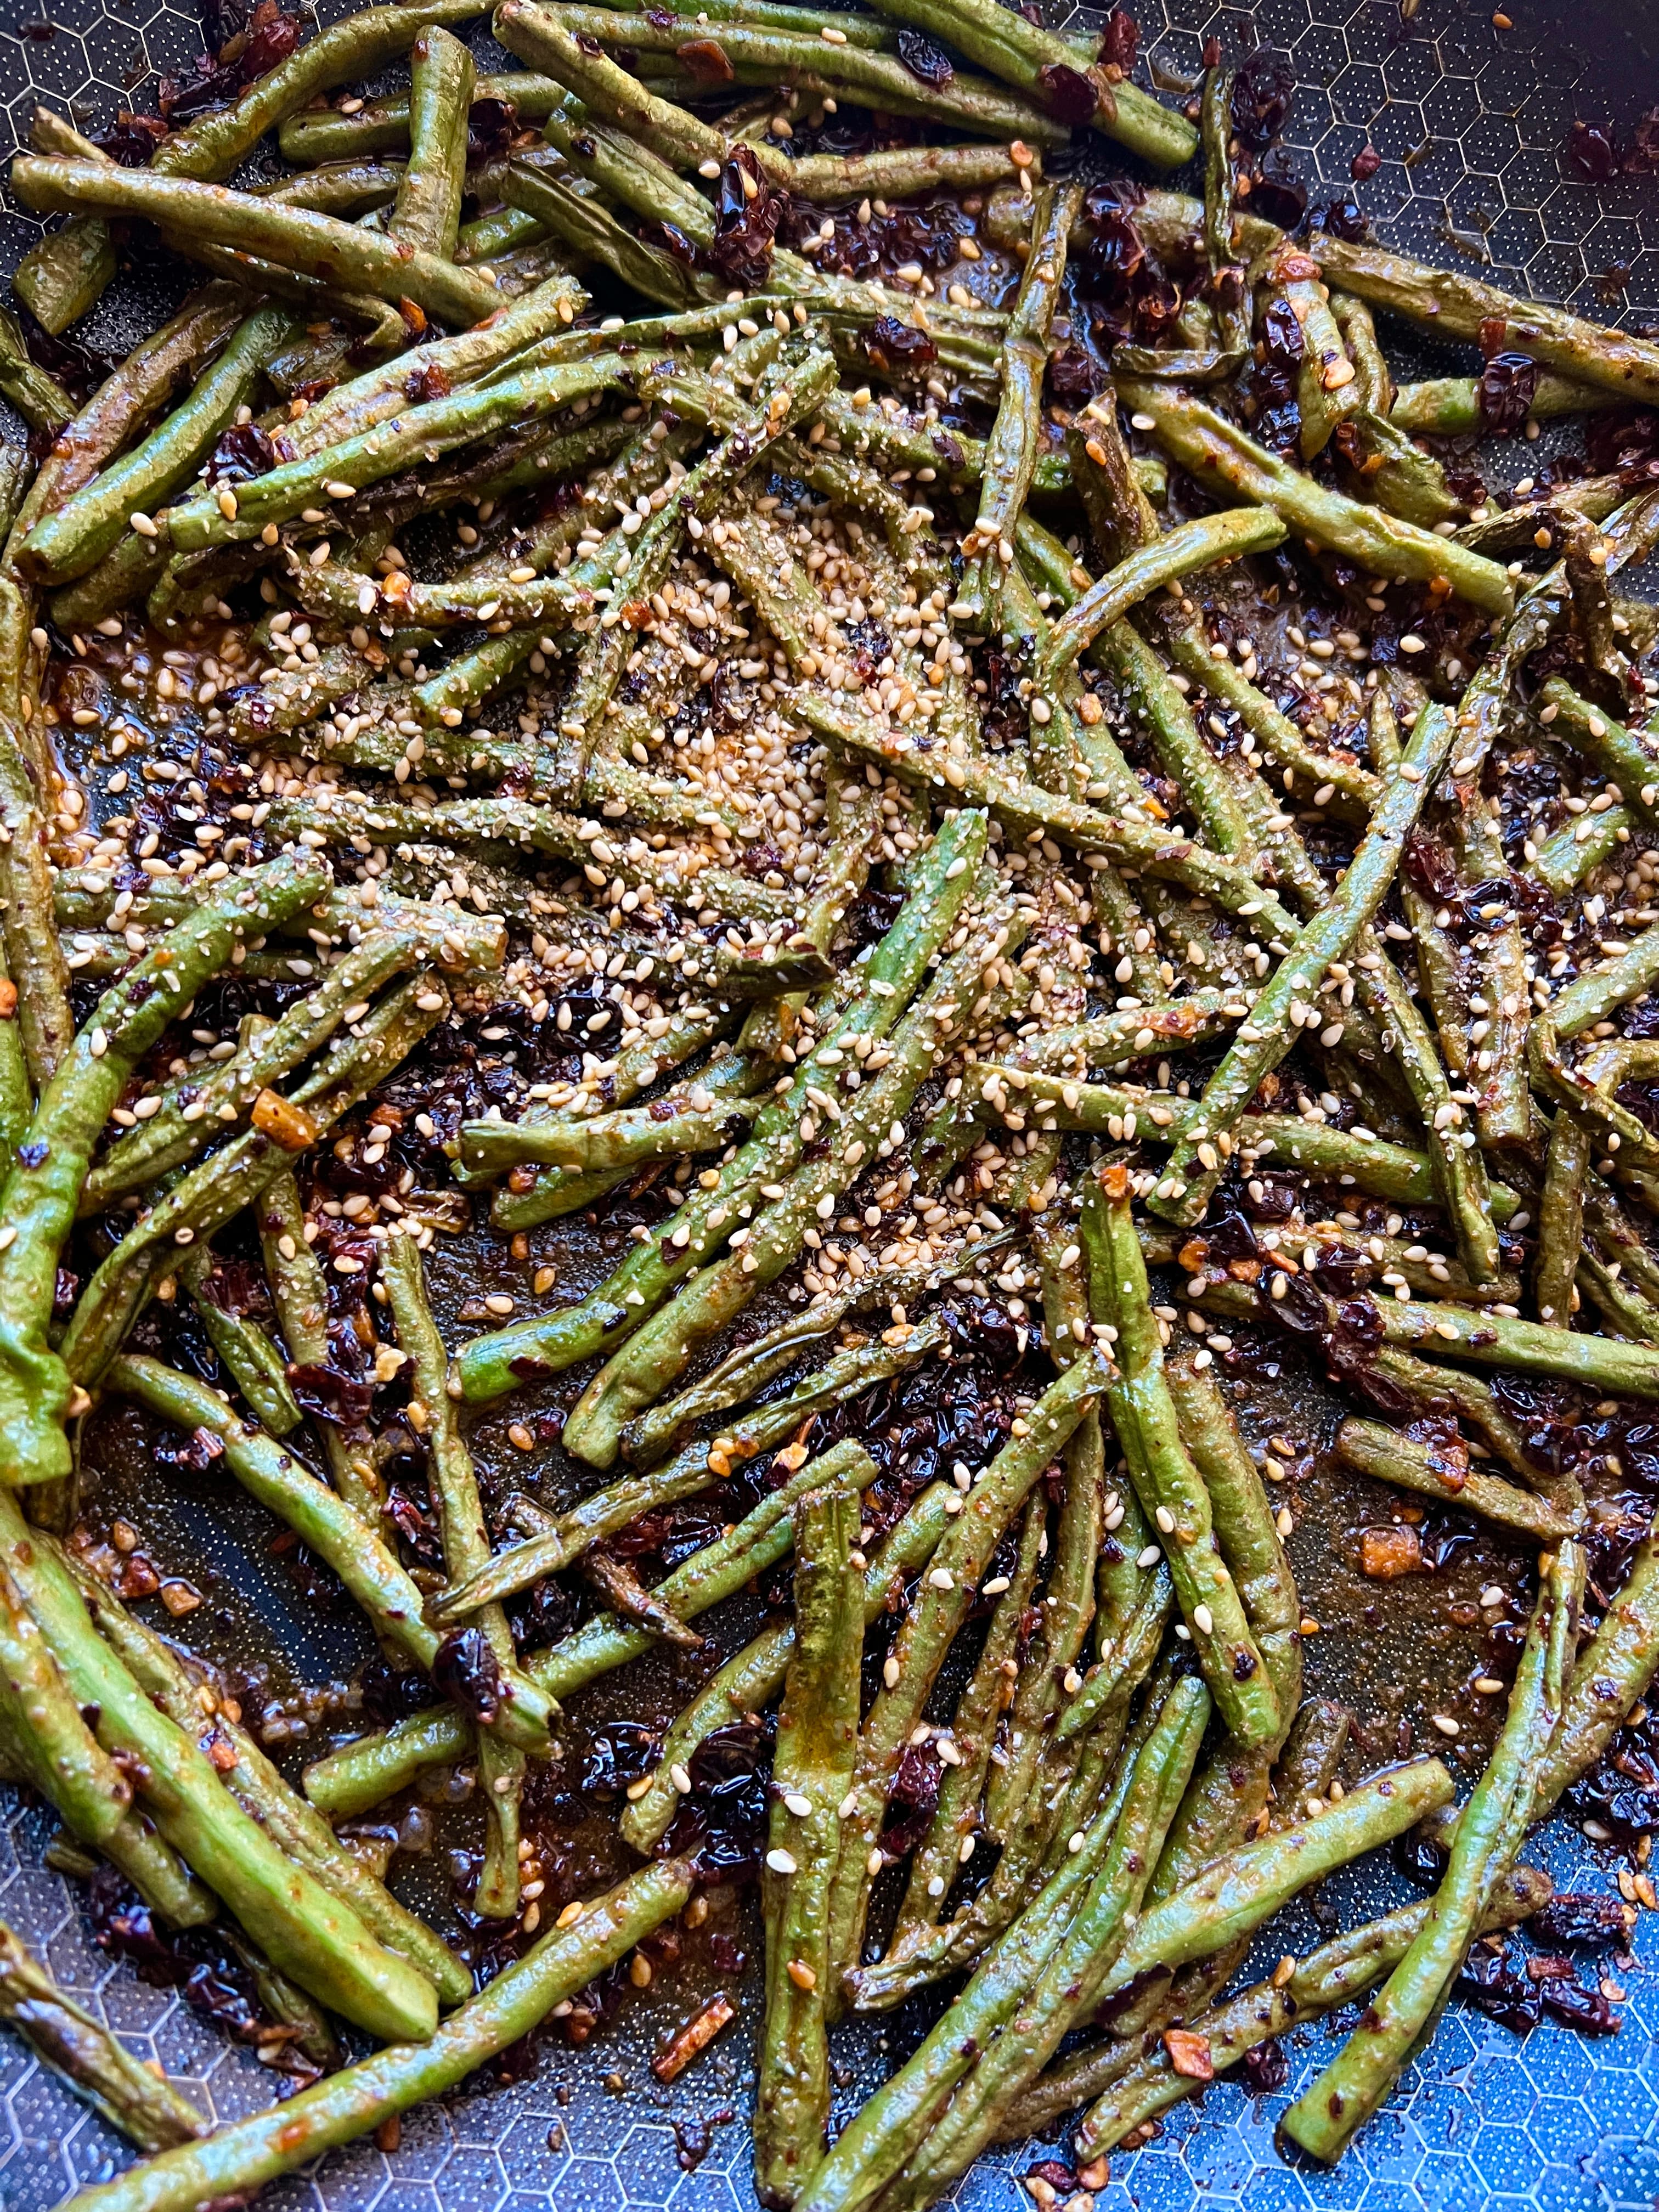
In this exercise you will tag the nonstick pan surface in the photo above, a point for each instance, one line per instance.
(1471, 122)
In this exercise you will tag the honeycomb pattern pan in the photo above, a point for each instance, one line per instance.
(1471, 122)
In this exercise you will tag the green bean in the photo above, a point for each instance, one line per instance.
(320, 1943)
(872, 2149)
(238, 2159)
(366, 457)
(1195, 1167)
(1231, 1789)
(1167, 1484)
(1626, 755)
(566, 1536)
(987, 1696)
(243, 1349)
(1627, 1312)
(1455, 306)
(218, 1187)
(77, 535)
(1146, 2081)
(1224, 460)
(359, 1776)
(1450, 406)
(753, 1675)
(1147, 686)
(1326, 383)
(545, 1195)
(625, 170)
(542, 37)
(1492, 1339)
(1490, 1832)
(1515, 528)
(344, 188)
(1386, 1455)
(316, 248)
(610, 1141)
(427, 212)
(919, 1650)
(1065, 1991)
(63, 277)
(1612, 1672)
(258, 1787)
(325, 1522)
(126, 2095)
(39, 1198)
(1043, 65)
(200, 1107)
(492, 1364)
(49, 1738)
(1011, 451)
(465, 1540)
(1612, 983)
(1383, 1170)
(900, 172)
(1190, 546)
(638, 1374)
(816, 1746)
(38, 397)
(1463, 1186)
(1068, 1603)
(971, 103)
(465, 358)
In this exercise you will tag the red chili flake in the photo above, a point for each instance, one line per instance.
(695, 2036)
(1365, 164)
(1067, 95)
(708, 61)
(1120, 42)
